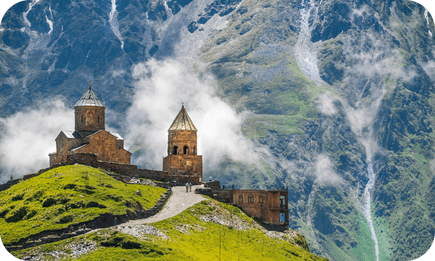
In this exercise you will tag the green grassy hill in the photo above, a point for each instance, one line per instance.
(65, 196)
(209, 230)
(68, 195)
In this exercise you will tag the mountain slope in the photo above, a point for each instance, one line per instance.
(339, 94)
(206, 231)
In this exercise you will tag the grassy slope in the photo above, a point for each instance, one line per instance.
(280, 104)
(59, 198)
(238, 237)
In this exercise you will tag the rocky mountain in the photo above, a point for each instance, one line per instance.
(340, 96)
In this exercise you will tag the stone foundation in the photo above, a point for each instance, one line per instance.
(128, 169)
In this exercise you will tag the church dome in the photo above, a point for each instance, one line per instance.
(89, 99)
(182, 122)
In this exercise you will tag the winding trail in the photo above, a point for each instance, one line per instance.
(179, 201)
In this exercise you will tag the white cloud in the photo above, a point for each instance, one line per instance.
(324, 170)
(160, 89)
(29, 137)
(325, 103)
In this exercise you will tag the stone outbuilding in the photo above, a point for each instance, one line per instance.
(90, 136)
(269, 206)
(182, 156)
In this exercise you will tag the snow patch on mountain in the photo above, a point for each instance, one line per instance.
(426, 15)
(114, 25)
(50, 23)
(34, 2)
(305, 50)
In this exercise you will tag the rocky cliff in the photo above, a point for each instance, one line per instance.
(340, 96)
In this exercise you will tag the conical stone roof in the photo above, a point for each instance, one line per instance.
(89, 99)
(182, 121)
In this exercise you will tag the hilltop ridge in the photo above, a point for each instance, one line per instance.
(73, 195)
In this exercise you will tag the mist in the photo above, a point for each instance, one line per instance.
(325, 170)
(29, 136)
(325, 103)
(160, 90)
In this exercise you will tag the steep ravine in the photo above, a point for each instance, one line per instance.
(367, 204)
(306, 55)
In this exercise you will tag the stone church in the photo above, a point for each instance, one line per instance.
(90, 136)
(182, 156)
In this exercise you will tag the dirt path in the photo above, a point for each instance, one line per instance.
(177, 203)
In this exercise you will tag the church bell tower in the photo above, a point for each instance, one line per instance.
(89, 114)
(182, 156)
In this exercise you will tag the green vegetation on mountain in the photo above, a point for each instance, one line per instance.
(209, 230)
(264, 80)
(367, 52)
(375, 56)
(64, 196)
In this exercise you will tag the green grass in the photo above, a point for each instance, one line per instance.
(200, 240)
(365, 249)
(64, 196)
(381, 229)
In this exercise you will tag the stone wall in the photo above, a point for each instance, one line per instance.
(9, 184)
(266, 205)
(106, 147)
(90, 159)
(181, 139)
(89, 118)
(183, 164)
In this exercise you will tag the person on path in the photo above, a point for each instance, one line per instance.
(190, 186)
(187, 187)
(116, 221)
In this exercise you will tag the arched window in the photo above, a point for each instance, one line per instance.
(186, 150)
(98, 118)
(82, 118)
(240, 198)
(194, 150)
(260, 198)
(175, 150)
(250, 198)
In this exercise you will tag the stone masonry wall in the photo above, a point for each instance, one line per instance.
(189, 164)
(105, 146)
(262, 204)
(89, 118)
(127, 169)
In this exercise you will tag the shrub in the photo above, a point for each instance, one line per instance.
(84, 190)
(17, 214)
(69, 186)
(113, 241)
(65, 219)
(3, 212)
(17, 197)
(93, 204)
(70, 205)
(130, 245)
(31, 214)
(35, 196)
(48, 202)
